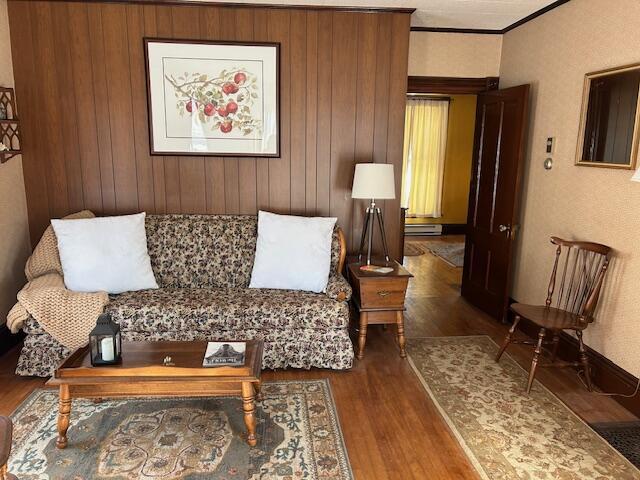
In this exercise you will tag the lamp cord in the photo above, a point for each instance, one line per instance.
(608, 394)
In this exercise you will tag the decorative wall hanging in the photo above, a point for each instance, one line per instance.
(213, 98)
(9, 125)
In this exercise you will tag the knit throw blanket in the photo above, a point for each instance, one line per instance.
(67, 316)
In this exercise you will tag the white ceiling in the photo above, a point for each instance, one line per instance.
(476, 14)
(480, 14)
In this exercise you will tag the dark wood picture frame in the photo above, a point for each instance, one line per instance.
(152, 149)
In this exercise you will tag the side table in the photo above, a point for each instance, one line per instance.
(378, 298)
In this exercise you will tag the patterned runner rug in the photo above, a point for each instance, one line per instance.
(183, 438)
(452, 253)
(506, 433)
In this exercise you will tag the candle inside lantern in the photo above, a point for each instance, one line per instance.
(106, 347)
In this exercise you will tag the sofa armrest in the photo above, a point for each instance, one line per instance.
(338, 288)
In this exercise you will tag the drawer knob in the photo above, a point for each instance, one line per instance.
(384, 293)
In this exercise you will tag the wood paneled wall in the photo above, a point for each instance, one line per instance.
(81, 91)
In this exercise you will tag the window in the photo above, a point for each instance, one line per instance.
(424, 154)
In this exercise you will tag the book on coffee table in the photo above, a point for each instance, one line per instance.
(229, 354)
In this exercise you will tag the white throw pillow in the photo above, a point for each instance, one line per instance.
(292, 253)
(105, 254)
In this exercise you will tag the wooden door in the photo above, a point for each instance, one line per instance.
(501, 127)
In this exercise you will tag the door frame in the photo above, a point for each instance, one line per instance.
(449, 86)
(452, 85)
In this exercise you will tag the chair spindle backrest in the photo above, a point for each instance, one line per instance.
(577, 276)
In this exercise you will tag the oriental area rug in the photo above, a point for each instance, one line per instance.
(506, 433)
(451, 253)
(183, 438)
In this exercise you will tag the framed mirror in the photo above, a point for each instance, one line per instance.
(610, 118)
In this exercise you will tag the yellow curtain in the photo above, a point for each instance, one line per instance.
(425, 141)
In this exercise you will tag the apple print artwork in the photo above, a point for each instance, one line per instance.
(229, 88)
(191, 106)
(209, 109)
(232, 107)
(223, 101)
(226, 127)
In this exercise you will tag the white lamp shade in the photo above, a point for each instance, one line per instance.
(374, 181)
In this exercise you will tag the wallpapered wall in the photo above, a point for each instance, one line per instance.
(553, 52)
(14, 240)
(454, 55)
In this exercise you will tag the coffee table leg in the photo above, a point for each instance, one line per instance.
(249, 407)
(64, 410)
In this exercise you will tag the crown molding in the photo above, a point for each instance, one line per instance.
(211, 3)
(480, 31)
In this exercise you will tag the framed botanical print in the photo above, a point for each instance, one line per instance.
(213, 98)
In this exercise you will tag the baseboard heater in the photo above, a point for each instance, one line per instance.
(425, 229)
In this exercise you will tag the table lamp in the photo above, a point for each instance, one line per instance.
(373, 181)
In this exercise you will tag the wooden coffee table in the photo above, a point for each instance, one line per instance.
(145, 373)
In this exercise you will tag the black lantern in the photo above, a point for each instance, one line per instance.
(104, 342)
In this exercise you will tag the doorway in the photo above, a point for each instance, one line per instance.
(461, 202)
(437, 164)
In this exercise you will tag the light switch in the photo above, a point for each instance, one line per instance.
(550, 142)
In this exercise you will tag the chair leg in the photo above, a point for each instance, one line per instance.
(508, 338)
(584, 360)
(534, 362)
(554, 346)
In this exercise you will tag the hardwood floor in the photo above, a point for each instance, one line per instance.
(391, 428)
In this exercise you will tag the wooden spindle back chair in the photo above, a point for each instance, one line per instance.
(572, 296)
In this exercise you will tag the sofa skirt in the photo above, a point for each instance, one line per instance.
(297, 348)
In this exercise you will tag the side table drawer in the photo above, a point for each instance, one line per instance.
(383, 293)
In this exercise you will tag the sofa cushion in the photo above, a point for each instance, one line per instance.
(201, 251)
(104, 254)
(207, 251)
(293, 252)
(203, 309)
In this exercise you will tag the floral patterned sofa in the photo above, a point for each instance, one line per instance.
(203, 266)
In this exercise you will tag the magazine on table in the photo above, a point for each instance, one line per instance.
(376, 269)
(224, 354)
